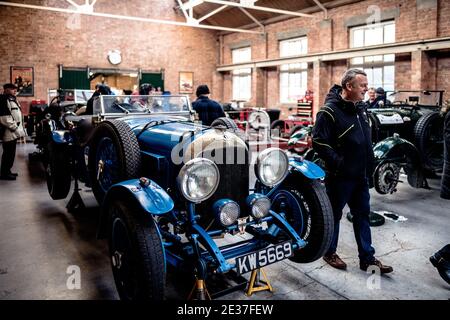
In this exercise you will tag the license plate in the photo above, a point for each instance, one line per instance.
(263, 257)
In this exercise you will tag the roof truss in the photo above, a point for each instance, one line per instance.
(187, 8)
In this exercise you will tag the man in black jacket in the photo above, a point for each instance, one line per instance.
(341, 137)
(208, 110)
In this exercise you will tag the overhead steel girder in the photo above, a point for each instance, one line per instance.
(82, 11)
(194, 3)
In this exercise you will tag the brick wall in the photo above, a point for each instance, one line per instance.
(403, 71)
(415, 19)
(45, 39)
(443, 76)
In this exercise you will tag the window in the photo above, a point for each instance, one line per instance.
(242, 84)
(293, 47)
(371, 35)
(293, 81)
(380, 69)
(241, 55)
(242, 78)
(293, 77)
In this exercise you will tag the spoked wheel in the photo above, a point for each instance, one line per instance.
(137, 257)
(114, 156)
(429, 138)
(386, 177)
(308, 210)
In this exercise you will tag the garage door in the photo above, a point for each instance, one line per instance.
(74, 79)
(155, 79)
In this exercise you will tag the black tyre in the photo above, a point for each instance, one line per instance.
(428, 134)
(308, 210)
(114, 156)
(225, 122)
(277, 128)
(375, 219)
(136, 252)
(58, 170)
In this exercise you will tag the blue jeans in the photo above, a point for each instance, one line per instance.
(355, 193)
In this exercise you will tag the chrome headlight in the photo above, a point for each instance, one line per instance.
(227, 211)
(259, 205)
(198, 179)
(271, 166)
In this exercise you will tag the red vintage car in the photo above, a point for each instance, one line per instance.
(301, 116)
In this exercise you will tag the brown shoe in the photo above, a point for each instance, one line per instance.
(383, 269)
(334, 261)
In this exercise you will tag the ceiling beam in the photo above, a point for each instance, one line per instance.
(260, 8)
(321, 6)
(309, 10)
(183, 9)
(248, 14)
(206, 16)
(122, 17)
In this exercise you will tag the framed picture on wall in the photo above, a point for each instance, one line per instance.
(23, 78)
(186, 82)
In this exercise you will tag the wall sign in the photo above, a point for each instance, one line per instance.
(186, 84)
(23, 78)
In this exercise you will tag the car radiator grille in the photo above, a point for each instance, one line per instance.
(234, 181)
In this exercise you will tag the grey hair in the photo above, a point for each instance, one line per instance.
(350, 75)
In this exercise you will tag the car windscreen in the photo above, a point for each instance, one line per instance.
(126, 104)
(425, 98)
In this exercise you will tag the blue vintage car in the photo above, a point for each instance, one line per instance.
(169, 188)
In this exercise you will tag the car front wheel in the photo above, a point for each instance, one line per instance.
(308, 210)
(136, 253)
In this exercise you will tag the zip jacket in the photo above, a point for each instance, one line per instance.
(342, 137)
(10, 118)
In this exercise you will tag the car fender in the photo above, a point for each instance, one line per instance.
(151, 197)
(61, 137)
(306, 168)
(394, 147)
(143, 192)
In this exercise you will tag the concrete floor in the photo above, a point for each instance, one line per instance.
(39, 241)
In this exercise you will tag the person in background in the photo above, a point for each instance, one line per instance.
(100, 89)
(341, 137)
(208, 110)
(372, 101)
(11, 123)
(381, 99)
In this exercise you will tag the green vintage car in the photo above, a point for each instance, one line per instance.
(407, 132)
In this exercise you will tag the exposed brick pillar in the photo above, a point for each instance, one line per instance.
(427, 18)
(321, 83)
(217, 86)
(261, 88)
(326, 35)
(259, 80)
(423, 71)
